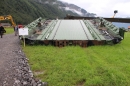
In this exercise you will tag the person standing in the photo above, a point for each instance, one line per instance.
(16, 30)
(1, 30)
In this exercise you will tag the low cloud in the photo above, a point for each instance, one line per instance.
(104, 8)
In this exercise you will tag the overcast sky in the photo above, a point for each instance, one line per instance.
(104, 8)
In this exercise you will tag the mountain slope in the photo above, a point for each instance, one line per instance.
(75, 9)
(25, 11)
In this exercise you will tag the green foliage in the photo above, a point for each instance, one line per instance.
(25, 11)
(76, 66)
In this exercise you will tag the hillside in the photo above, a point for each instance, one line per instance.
(25, 11)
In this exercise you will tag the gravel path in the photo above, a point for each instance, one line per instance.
(14, 68)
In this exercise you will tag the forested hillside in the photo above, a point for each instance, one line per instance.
(25, 11)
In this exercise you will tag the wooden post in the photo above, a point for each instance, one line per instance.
(23, 40)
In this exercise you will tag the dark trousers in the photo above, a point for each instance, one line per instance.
(1, 34)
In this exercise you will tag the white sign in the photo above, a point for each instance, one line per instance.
(23, 31)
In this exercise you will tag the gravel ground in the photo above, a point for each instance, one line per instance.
(14, 68)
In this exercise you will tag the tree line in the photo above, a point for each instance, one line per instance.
(25, 11)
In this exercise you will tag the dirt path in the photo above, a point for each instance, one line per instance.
(14, 68)
(9, 44)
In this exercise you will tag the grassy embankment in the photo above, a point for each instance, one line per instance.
(76, 66)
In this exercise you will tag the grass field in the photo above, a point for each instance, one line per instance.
(9, 30)
(76, 66)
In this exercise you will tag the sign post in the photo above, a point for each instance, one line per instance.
(23, 41)
(23, 32)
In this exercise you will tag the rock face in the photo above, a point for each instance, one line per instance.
(14, 67)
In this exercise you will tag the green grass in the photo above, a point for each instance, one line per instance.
(77, 66)
(9, 30)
